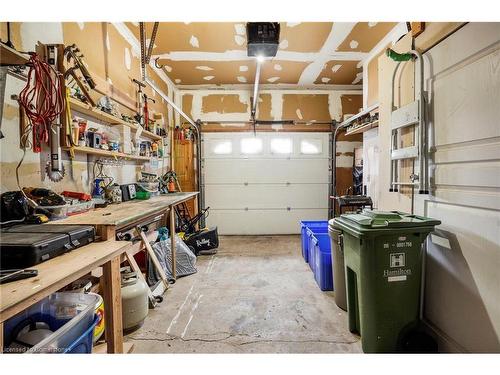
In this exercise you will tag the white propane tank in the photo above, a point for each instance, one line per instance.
(135, 306)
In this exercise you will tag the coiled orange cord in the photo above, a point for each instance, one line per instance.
(42, 98)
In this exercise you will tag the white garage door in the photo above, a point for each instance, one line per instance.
(265, 183)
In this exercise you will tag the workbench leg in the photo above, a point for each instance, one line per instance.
(1, 337)
(106, 232)
(195, 204)
(113, 306)
(172, 241)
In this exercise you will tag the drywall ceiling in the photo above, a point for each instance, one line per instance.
(310, 53)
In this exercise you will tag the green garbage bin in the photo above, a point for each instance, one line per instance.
(383, 263)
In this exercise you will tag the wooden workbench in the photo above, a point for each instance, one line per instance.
(56, 273)
(116, 216)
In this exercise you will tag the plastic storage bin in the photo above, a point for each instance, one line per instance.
(322, 261)
(69, 315)
(322, 229)
(84, 343)
(65, 210)
(305, 238)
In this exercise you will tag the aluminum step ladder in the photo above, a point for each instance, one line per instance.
(412, 114)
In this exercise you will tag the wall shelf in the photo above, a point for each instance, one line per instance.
(10, 57)
(360, 114)
(88, 110)
(106, 153)
(362, 128)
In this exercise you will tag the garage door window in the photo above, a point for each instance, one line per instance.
(283, 146)
(310, 147)
(251, 146)
(222, 147)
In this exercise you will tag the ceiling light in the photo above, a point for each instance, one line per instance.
(260, 58)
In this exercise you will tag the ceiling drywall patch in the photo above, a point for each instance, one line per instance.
(241, 55)
(283, 44)
(177, 80)
(359, 77)
(336, 68)
(204, 67)
(325, 79)
(240, 28)
(371, 24)
(273, 79)
(337, 35)
(128, 61)
(194, 41)
(353, 44)
(278, 67)
(243, 68)
(208, 78)
(81, 25)
(241, 79)
(299, 114)
(167, 68)
(240, 40)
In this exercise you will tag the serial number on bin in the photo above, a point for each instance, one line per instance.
(399, 245)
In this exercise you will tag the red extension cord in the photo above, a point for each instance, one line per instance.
(42, 99)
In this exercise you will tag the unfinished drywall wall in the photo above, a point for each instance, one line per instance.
(112, 58)
(230, 110)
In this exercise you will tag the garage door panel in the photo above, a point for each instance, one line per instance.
(234, 171)
(252, 222)
(221, 196)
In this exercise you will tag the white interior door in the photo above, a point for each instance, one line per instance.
(265, 183)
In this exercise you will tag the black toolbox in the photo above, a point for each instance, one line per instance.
(23, 246)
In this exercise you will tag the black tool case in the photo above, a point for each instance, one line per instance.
(23, 246)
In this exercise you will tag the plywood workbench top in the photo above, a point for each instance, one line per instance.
(127, 212)
(55, 274)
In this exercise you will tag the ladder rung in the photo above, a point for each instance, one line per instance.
(405, 183)
(405, 153)
(405, 116)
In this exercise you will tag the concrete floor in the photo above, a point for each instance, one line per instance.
(256, 295)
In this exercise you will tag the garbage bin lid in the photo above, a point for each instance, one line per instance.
(370, 220)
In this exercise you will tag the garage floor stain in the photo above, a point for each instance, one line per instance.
(256, 295)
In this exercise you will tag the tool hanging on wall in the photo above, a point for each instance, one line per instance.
(146, 111)
(412, 114)
(139, 117)
(55, 168)
(42, 99)
(85, 84)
